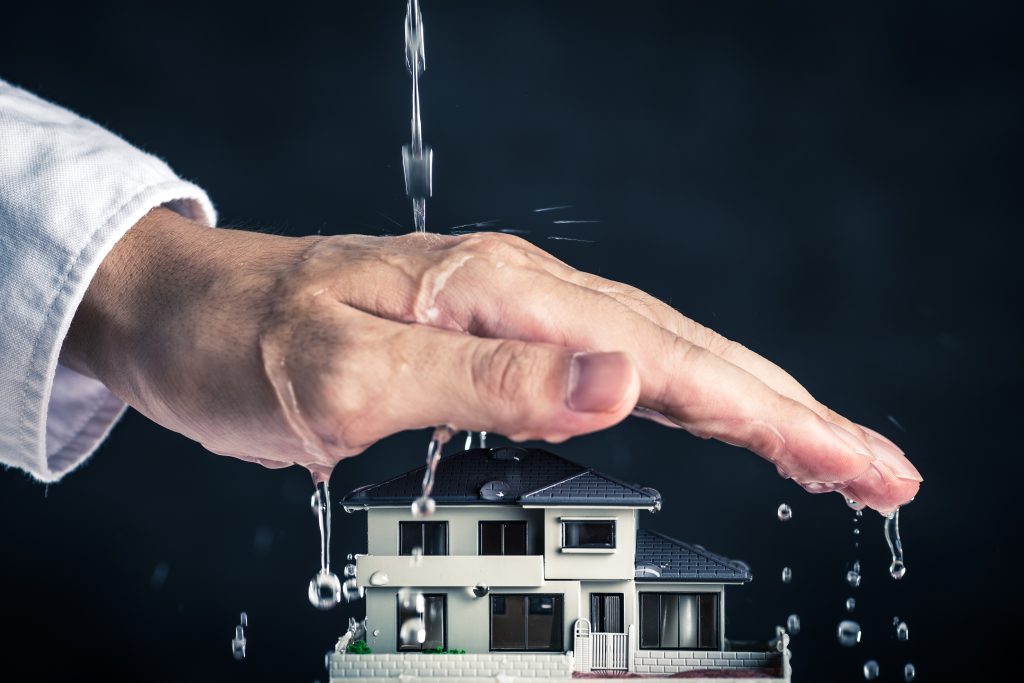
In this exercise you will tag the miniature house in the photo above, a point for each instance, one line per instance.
(535, 567)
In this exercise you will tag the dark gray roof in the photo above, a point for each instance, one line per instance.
(661, 558)
(592, 488)
(532, 475)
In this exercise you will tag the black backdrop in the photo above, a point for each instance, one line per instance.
(834, 185)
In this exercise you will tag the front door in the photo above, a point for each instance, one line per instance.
(606, 612)
(435, 623)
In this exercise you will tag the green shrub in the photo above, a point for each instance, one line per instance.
(358, 647)
(442, 651)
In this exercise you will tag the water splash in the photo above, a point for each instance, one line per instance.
(784, 513)
(848, 633)
(417, 158)
(552, 208)
(325, 587)
(238, 643)
(892, 536)
(424, 506)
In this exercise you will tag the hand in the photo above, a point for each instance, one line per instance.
(308, 350)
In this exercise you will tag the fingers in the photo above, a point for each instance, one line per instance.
(432, 376)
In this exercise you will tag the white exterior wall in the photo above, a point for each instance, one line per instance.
(605, 565)
(469, 621)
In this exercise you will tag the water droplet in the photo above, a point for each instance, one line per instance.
(848, 633)
(859, 513)
(787, 575)
(785, 513)
(238, 643)
(856, 532)
(243, 619)
(325, 590)
(851, 604)
(854, 505)
(892, 536)
(793, 624)
(870, 670)
(416, 557)
(480, 590)
(349, 571)
(423, 506)
(856, 566)
(350, 557)
(853, 578)
(902, 631)
(351, 590)
(909, 672)
(413, 631)
(376, 632)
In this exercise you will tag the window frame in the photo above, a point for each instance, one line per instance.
(504, 524)
(402, 525)
(697, 594)
(405, 647)
(559, 599)
(565, 521)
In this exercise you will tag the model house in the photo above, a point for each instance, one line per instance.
(535, 567)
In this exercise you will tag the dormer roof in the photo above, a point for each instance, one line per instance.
(504, 476)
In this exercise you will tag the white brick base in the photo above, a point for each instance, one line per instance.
(672, 661)
(379, 667)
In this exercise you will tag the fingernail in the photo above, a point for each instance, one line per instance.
(851, 442)
(894, 459)
(598, 381)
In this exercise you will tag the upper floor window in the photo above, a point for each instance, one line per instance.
(588, 534)
(502, 538)
(432, 537)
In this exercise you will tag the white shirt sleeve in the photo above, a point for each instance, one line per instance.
(68, 191)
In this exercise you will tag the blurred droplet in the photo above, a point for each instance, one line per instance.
(793, 624)
(903, 631)
(413, 631)
(325, 590)
(784, 513)
(870, 670)
(851, 604)
(787, 575)
(909, 672)
(159, 577)
(848, 633)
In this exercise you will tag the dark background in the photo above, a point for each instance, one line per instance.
(835, 185)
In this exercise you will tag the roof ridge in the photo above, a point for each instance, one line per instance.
(557, 483)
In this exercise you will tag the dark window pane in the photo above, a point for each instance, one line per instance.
(508, 625)
(515, 538)
(709, 621)
(669, 621)
(588, 534)
(544, 623)
(490, 538)
(432, 537)
(410, 536)
(434, 619)
(435, 541)
(687, 619)
(650, 620)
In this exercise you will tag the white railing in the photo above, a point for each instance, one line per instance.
(601, 651)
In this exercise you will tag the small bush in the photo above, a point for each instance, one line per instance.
(358, 647)
(442, 651)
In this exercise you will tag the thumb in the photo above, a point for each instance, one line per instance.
(523, 390)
